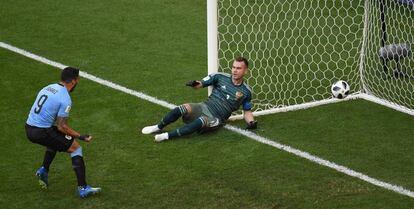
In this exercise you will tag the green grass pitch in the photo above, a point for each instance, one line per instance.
(154, 47)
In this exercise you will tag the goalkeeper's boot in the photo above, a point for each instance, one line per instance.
(86, 191)
(151, 129)
(161, 137)
(41, 173)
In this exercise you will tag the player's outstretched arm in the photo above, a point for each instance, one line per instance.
(249, 118)
(66, 129)
(195, 84)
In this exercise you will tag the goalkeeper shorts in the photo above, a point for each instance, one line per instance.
(200, 110)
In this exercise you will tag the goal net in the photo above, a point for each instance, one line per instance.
(388, 69)
(298, 48)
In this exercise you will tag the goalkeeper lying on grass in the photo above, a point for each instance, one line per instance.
(229, 93)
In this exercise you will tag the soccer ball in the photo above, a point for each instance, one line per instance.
(340, 89)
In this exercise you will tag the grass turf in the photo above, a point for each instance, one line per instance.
(135, 46)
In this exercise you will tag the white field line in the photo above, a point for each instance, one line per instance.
(299, 106)
(321, 161)
(251, 135)
(386, 103)
(89, 76)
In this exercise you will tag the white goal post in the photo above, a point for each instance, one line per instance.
(298, 48)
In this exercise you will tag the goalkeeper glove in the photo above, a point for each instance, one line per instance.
(192, 83)
(252, 125)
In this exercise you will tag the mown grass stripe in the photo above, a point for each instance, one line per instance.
(249, 134)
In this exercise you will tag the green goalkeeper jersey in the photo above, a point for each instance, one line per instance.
(226, 97)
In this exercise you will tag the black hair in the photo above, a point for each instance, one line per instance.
(242, 59)
(68, 74)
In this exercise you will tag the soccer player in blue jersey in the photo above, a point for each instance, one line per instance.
(47, 125)
(229, 93)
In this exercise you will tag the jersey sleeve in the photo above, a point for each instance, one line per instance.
(247, 104)
(64, 108)
(209, 80)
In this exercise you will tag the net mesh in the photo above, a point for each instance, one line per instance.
(395, 81)
(298, 49)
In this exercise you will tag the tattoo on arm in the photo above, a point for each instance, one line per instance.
(61, 122)
(64, 127)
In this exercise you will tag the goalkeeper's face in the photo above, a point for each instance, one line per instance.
(238, 70)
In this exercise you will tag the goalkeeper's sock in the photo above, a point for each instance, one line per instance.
(187, 129)
(172, 116)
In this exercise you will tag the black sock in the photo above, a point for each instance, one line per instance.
(187, 129)
(172, 116)
(48, 158)
(79, 168)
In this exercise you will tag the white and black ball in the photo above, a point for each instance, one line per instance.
(340, 89)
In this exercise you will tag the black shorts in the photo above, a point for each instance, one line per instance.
(49, 137)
